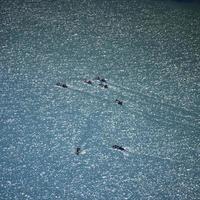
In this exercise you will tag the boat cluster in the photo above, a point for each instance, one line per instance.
(102, 82)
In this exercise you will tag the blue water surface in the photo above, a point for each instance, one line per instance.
(149, 54)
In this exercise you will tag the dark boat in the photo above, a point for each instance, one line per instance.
(119, 102)
(78, 151)
(61, 85)
(118, 147)
(88, 82)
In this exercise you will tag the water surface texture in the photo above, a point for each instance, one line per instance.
(149, 54)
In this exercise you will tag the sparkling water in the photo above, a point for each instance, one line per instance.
(148, 51)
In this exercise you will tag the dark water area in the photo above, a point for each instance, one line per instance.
(187, 1)
(184, 1)
(99, 100)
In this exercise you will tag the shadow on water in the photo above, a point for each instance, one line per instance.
(187, 2)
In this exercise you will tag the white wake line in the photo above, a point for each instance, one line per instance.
(135, 93)
(154, 100)
(133, 111)
(183, 117)
(130, 152)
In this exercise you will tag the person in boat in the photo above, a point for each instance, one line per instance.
(88, 82)
(61, 85)
(101, 79)
(119, 102)
(102, 85)
(118, 147)
(78, 151)
(98, 78)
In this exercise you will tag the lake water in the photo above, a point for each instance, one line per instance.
(149, 54)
